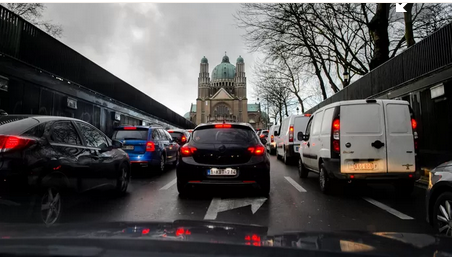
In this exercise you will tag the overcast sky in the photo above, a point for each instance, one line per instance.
(156, 48)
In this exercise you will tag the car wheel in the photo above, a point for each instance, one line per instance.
(122, 183)
(162, 164)
(49, 206)
(182, 188)
(324, 181)
(302, 171)
(442, 214)
(404, 188)
(285, 157)
(265, 187)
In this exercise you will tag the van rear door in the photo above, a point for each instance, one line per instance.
(400, 140)
(362, 138)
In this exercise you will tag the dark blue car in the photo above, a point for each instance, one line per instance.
(148, 146)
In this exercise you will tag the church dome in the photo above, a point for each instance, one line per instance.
(224, 70)
(240, 59)
(204, 60)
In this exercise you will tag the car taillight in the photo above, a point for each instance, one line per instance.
(10, 143)
(130, 128)
(187, 150)
(150, 147)
(223, 126)
(272, 138)
(415, 136)
(183, 139)
(262, 136)
(257, 150)
(336, 135)
(291, 134)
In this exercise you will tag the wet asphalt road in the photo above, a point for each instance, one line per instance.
(294, 205)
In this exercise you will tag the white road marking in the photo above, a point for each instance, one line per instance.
(296, 185)
(389, 209)
(170, 184)
(219, 205)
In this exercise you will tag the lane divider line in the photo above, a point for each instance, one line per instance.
(295, 184)
(388, 209)
(170, 184)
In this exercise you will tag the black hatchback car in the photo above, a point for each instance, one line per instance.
(179, 135)
(224, 154)
(44, 158)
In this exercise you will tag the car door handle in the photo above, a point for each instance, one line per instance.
(378, 144)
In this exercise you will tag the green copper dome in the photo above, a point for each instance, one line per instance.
(204, 60)
(240, 59)
(224, 70)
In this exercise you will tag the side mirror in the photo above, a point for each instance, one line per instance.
(300, 136)
(116, 144)
(263, 140)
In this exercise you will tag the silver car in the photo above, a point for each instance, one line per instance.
(439, 199)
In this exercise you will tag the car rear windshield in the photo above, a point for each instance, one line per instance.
(176, 134)
(138, 134)
(225, 135)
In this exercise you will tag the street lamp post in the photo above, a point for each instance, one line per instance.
(346, 78)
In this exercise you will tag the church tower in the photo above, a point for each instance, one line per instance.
(203, 91)
(240, 89)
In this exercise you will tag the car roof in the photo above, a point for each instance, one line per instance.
(43, 118)
(145, 127)
(363, 101)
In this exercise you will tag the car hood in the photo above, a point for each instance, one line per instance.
(237, 234)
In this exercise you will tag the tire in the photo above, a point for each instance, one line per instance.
(442, 225)
(122, 182)
(48, 206)
(404, 188)
(324, 181)
(265, 186)
(286, 159)
(182, 188)
(302, 171)
(162, 164)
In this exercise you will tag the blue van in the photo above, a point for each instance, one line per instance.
(148, 146)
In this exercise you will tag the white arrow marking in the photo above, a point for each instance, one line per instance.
(295, 184)
(219, 205)
(400, 7)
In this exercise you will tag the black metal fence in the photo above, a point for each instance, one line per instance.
(431, 53)
(24, 41)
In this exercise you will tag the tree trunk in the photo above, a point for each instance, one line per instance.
(285, 109)
(378, 28)
(407, 16)
(300, 101)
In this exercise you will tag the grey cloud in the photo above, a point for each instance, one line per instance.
(163, 57)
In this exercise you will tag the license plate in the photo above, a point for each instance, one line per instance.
(128, 147)
(364, 166)
(222, 172)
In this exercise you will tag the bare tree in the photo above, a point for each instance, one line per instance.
(32, 12)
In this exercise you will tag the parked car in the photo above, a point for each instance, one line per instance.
(148, 146)
(287, 144)
(359, 140)
(439, 199)
(221, 155)
(271, 144)
(179, 135)
(49, 156)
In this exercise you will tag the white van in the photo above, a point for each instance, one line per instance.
(271, 140)
(287, 143)
(371, 140)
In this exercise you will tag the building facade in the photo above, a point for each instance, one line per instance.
(222, 96)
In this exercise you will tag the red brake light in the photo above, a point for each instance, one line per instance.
(261, 136)
(187, 150)
(258, 150)
(130, 128)
(272, 138)
(413, 124)
(170, 131)
(145, 231)
(183, 139)
(336, 124)
(180, 232)
(150, 146)
(307, 115)
(336, 146)
(291, 134)
(9, 143)
(223, 126)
